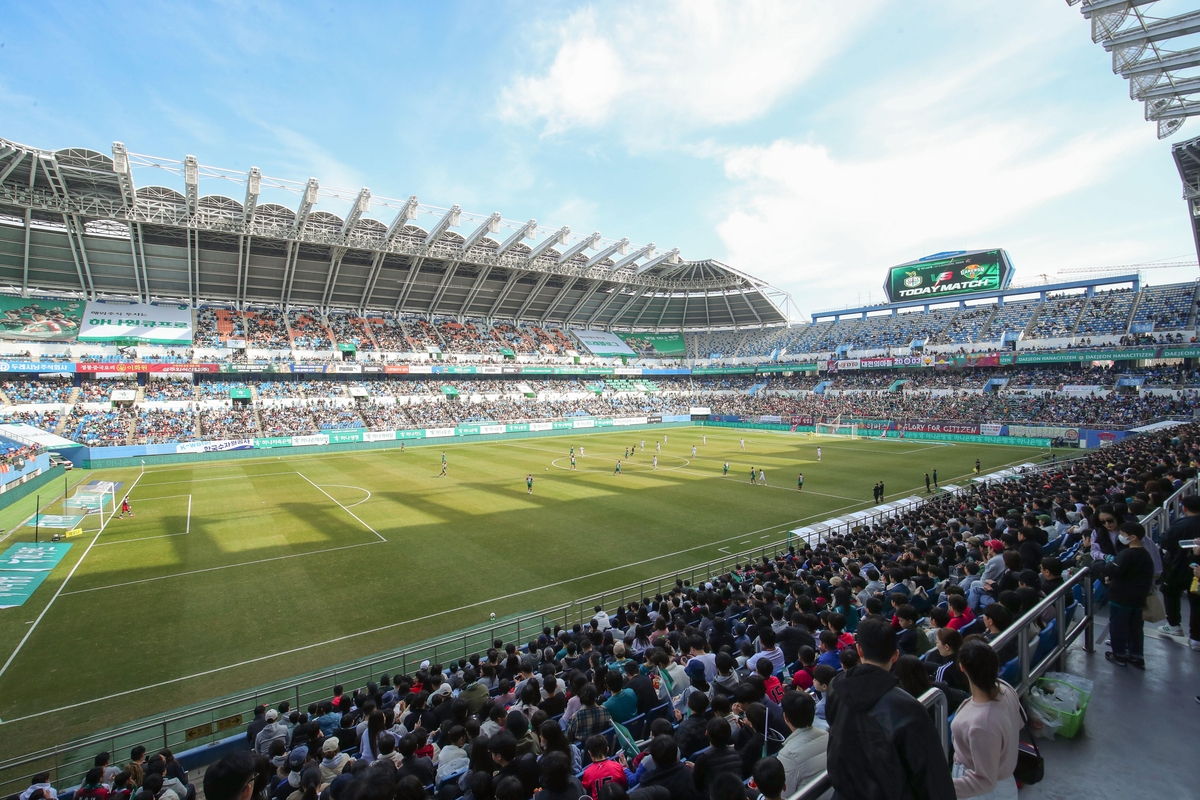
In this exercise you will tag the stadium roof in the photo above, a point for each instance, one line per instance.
(74, 220)
(1152, 51)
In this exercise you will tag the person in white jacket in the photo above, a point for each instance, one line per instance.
(803, 752)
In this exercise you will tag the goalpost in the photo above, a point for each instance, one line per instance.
(98, 498)
(836, 428)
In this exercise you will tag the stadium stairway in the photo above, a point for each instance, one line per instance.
(1031, 326)
(1082, 312)
(258, 426)
(4, 397)
(756, 388)
(1140, 728)
(61, 427)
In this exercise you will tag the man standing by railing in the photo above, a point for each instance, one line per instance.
(1177, 571)
(882, 742)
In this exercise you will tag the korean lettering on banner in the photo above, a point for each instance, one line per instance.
(37, 366)
(312, 439)
(874, 363)
(379, 436)
(992, 429)
(848, 364)
(438, 433)
(136, 323)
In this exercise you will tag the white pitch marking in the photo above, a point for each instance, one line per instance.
(62, 585)
(348, 511)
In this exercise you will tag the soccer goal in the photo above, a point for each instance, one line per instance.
(97, 498)
(836, 428)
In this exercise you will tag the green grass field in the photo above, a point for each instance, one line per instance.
(228, 566)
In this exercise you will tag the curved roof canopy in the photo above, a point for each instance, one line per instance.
(74, 220)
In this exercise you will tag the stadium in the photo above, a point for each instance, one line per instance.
(320, 483)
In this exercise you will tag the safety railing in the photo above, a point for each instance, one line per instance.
(1158, 520)
(934, 699)
(1046, 648)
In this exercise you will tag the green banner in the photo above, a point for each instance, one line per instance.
(449, 391)
(508, 351)
(723, 370)
(272, 441)
(1066, 356)
(1181, 352)
(350, 435)
(769, 368)
(31, 318)
(655, 344)
(256, 367)
(466, 430)
(239, 393)
(538, 370)
(562, 425)
(517, 427)
(347, 347)
(417, 434)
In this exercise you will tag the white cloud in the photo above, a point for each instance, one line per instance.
(910, 165)
(685, 64)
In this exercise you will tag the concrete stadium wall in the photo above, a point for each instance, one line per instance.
(16, 492)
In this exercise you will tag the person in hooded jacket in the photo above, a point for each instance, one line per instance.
(882, 743)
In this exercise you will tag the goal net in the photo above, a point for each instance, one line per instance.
(836, 428)
(97, 498)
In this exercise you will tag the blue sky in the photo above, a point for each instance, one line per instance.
(811, 144)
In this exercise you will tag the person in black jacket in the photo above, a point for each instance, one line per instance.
(719, 758)
(882, 743)
(669, 772)
(690, 735)
(1177, 571)
(503, 749)
(1030, 548)
(1129, 575)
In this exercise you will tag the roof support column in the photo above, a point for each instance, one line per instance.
(28, 221)
(142, 248)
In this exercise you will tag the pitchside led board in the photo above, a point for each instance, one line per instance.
(949, 274)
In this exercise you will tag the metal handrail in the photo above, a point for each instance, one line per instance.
(1057, 600)
(934, 699)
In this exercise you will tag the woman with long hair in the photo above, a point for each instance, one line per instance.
(376, 724)
(553, 739)
(986, 729)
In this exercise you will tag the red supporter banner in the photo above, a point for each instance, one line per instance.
(983, 359)
(938, 427)
(396, 369)
(800, 420)
(138, 366)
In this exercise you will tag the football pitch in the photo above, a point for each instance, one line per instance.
(235, 573)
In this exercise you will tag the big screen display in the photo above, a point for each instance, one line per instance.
(949, 274)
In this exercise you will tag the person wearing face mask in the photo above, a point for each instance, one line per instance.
(1129, 577)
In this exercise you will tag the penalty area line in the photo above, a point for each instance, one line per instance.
(344, 508)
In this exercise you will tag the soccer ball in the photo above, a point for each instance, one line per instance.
(492, 615)
(547, 469)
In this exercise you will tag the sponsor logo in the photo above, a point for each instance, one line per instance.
(971, 272)
(913, 280)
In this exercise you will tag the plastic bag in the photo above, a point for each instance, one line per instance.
(1082, 684)
(1041, 724)
(1050, 701)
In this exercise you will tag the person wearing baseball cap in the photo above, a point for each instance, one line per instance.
(334, 760)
